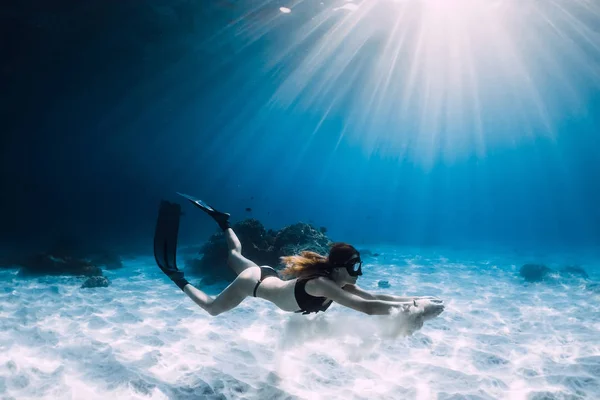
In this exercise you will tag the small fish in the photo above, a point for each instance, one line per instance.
(248, 209)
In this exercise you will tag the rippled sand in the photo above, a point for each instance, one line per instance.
(141, 338)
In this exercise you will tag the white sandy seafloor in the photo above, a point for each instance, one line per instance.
(141, 338)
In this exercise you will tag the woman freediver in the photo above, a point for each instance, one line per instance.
(317, 280)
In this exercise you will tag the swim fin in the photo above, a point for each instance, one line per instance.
(220, 217)
(165, 242)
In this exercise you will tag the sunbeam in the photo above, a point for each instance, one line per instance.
(440, 77)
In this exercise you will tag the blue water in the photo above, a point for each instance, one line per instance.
(458, 138)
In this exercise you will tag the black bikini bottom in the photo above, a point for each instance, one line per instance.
(265, 272)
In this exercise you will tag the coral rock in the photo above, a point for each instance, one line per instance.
(96, 281)
(534, 272)
(264, 247)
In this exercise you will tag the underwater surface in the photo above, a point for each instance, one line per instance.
(456, 140)
(499, 338)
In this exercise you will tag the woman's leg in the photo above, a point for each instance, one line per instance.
(229, 298)
(235, 259)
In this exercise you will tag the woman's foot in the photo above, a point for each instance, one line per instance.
(220, 217)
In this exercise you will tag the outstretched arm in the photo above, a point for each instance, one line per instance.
(386, 297)
(326, 288)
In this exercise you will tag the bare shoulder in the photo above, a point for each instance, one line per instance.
(351, 288)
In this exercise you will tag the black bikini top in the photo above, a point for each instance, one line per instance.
(308, 303)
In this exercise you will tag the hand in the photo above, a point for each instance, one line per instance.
(431, 308)
(433, 299)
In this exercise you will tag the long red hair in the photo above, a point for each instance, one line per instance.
(309, 262)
